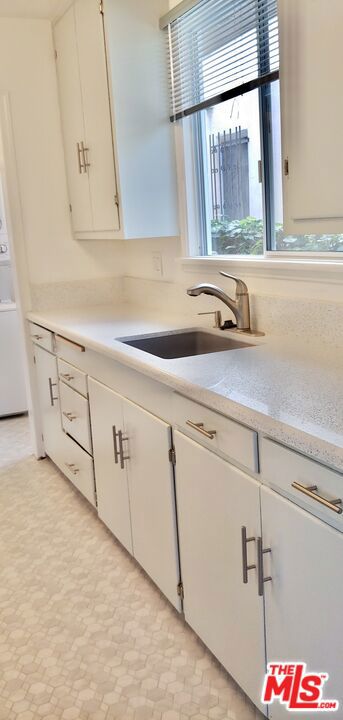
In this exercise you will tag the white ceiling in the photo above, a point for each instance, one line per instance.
(47, 9)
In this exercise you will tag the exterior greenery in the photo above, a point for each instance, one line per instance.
(245, 237)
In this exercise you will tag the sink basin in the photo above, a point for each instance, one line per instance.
(184, 344)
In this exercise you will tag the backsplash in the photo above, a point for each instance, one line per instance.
(314, 320)
(98, 291)
(318, 321)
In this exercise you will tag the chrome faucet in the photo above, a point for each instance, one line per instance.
(240, 306)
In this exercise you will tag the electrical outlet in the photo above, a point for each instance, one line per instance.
(157, 265)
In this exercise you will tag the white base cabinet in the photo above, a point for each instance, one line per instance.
(111, 479)
(215, 501)
(135, 484)
(47, 380)
(152, 498)
(303, 603)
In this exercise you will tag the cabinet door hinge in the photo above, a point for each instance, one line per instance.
(172, 456)
(180, 590)
(286, 166)
(101, 7)
(116, 200)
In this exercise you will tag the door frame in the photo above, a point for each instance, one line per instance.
(19, 260)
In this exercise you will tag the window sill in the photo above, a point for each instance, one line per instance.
(319, 270)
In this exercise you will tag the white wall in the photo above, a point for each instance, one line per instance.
(27, 73)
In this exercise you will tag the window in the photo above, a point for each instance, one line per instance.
(225, 89)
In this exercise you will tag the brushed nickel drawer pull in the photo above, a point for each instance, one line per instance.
(86, 163)
(210, 434)
(70, 416)
(81, 166)
(72, 344)
(72, 468)
(311, 492)
(38, 337)
(123, 457)
(67, 376)
(246, 567)
(115, 448)
(260, 572)
(51, 392)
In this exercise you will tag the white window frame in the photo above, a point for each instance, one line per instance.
(295, 264)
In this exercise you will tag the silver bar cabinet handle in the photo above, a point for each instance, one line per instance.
(121, 450)
(311, 492)
(79, 150)
(210, 434)
(115, 449)
(260, 572)
(246, 567)
(86, 163)
(51, 392)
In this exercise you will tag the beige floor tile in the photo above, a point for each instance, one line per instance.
(84, 635)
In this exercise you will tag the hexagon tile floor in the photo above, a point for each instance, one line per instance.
(84, 635)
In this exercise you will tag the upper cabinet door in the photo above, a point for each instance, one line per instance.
(97, 114)
(72, 120)
(312, 115)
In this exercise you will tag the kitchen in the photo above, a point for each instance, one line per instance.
(171, 507)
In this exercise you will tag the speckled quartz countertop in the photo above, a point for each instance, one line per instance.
(289, 390)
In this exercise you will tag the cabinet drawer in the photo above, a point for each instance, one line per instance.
(295, 476)
(77, 465)
(75, 416)
(73, 377)
(217, 432)
(41, 336)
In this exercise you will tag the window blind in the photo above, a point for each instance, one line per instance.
(219, 49)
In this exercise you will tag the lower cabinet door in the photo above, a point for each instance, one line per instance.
(152, 498)
(304, 600)
(214, 502)
(111, 477)
(47, 380)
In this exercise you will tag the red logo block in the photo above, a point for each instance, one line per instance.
(292, 686)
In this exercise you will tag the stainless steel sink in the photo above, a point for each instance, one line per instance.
(184, 344)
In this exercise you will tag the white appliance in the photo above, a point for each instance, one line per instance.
(12, 381)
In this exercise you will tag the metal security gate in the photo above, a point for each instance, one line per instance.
(229, 160)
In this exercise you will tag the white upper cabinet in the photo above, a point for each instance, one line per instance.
(86, 121)
(119, 142)
(312, 115)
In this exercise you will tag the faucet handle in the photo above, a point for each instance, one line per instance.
(241, 287)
